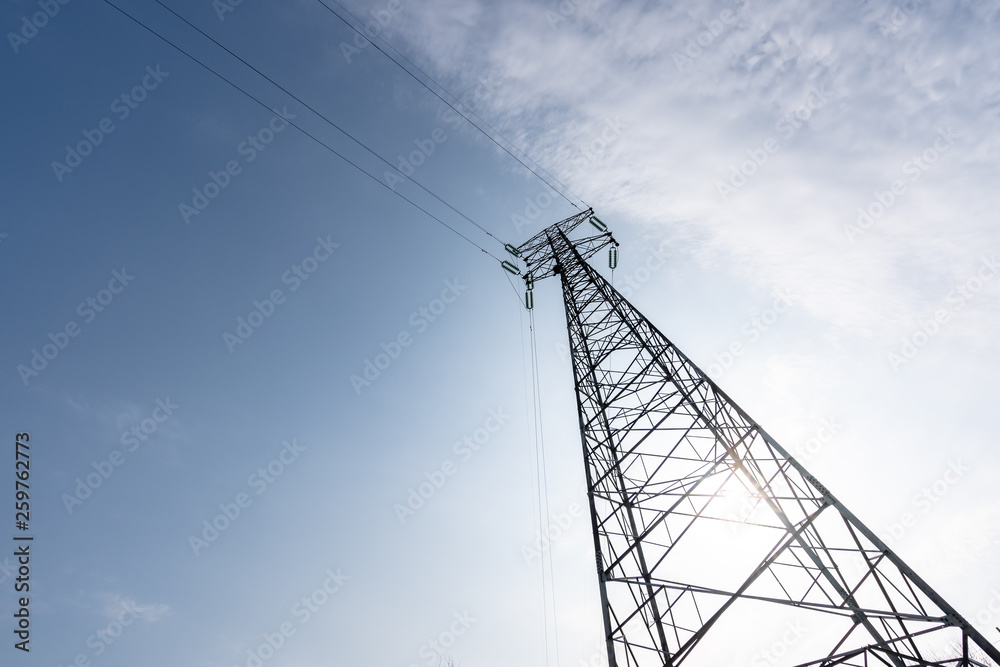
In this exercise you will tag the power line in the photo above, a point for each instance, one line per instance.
(459, 102)
(325, 118)
(300, 129)
(546, 555)
(536, 471)
(458, 111)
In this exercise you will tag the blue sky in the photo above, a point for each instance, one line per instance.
(836, 163)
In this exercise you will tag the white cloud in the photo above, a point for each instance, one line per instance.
(888, 96)
(112, 605)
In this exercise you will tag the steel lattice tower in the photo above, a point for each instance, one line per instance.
(669, 457)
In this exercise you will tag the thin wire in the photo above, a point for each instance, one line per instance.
(300, 129)
(533, 460)
(517, 294)
(330, 122)
(543, 480)
(542, 533)
(456, 110)
(532, 463)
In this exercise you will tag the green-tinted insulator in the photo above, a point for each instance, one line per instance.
(511, 268)
(596, 222)
(529, 281)
(613, 257)
(512, 250)
(529, 299)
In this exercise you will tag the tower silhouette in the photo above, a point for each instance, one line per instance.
(698, 514)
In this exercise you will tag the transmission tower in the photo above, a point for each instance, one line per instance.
(698, 513)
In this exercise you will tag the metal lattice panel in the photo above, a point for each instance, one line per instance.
(673, 464)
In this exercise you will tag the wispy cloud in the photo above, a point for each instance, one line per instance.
(689, 125)
(112, 605)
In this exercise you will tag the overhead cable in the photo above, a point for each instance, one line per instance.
(464, 115)
(300, 129)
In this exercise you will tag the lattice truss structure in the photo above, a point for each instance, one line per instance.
(697, 512)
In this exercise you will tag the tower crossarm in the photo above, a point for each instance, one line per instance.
(537, 253)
